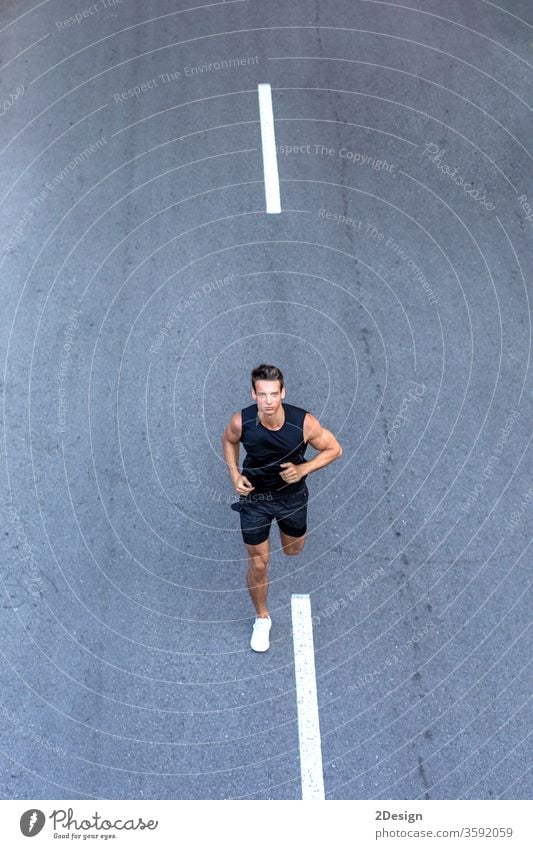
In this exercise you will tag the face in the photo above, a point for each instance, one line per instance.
(268, 396)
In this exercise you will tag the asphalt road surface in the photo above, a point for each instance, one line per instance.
(142, 279)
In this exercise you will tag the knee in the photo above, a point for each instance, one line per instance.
(259, 564)
(294, 548)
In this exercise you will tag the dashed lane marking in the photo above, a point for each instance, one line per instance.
(308, 719)
(268, 142)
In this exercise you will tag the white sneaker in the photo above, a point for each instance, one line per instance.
(260, 640)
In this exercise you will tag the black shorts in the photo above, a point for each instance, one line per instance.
(289, 510)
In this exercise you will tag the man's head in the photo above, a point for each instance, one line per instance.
(267, 389)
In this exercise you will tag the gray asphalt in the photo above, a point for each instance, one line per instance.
(142, 281)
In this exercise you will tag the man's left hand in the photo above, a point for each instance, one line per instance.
(292, 473)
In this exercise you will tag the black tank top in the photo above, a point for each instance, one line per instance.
(266, 449)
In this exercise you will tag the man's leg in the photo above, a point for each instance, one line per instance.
(291, 544)
(257, 577)
(292, 521)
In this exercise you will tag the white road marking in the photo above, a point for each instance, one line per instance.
(308, 720)
(268, 141)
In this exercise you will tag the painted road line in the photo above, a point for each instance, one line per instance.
(268, 142)
(308, 721)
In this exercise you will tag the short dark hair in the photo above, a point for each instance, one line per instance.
(266, 372)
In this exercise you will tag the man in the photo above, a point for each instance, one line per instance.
(272, 482)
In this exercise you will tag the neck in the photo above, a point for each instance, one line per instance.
(269, 421)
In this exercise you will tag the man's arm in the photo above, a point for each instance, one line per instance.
(323, 440)
(230, 445)
(325, 443)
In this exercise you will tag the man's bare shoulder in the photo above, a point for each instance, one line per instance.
(319, 436)
(312, 426)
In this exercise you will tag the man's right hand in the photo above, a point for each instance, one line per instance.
(243, 485)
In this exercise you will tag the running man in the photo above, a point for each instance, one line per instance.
(272, 483)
